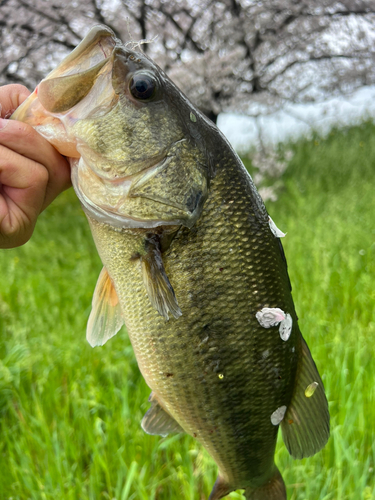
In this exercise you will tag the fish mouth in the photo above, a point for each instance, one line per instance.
(64, 95)
(75, 76)
(89, 84)
(103, 199)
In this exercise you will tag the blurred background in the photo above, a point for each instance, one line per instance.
(254, 58)
(292, 85)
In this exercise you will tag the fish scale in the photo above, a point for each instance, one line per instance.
(193, 265)
(219, 289)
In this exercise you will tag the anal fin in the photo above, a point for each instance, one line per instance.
(158, 287)
(105, 319)
(159, 421)
(305, 426)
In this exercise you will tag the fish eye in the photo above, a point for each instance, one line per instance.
(142, 86)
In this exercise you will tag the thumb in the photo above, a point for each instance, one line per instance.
(11, 96)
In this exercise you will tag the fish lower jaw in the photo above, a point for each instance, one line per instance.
(112, 218)
(118, 190)
(120, 221)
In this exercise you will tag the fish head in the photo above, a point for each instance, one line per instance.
(135, 142)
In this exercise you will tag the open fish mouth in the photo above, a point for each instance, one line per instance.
(98, 108)
(74, 78)
(65, 94)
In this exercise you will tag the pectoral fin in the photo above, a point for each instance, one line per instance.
(105, 318)
(158, 287)
(158, 421)
(305, 426)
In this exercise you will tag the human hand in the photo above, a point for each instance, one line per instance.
(32, 172)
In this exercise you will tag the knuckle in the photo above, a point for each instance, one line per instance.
(8, 160)
(38, 174)
(24, 238)
(5, 158)
(61, 172)
(16, 234)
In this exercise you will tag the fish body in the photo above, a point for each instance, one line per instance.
(193, 265)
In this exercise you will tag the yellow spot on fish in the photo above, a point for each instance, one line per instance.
(310, 389)
(221, 376)
(193, 118)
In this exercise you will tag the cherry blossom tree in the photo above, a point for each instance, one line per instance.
(246, 56)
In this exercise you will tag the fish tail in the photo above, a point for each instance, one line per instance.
(274, 489)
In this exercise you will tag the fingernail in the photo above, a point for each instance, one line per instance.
(3, 123)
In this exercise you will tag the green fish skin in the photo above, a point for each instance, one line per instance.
(193, 265)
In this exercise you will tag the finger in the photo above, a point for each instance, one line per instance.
(16, 227)
(11, 96)
(22, 191)
(23, 140)
(23, 181)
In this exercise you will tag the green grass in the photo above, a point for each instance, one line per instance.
(70, 415)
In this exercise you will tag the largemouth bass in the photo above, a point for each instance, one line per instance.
(193, 264)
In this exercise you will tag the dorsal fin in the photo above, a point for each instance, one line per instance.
(158, 421)
(305, 426)
(105, 318)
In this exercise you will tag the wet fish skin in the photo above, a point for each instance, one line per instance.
(221, 280)
(192, 280)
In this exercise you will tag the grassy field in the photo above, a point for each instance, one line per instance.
(70, 415)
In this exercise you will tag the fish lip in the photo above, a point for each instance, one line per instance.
(94, 38)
